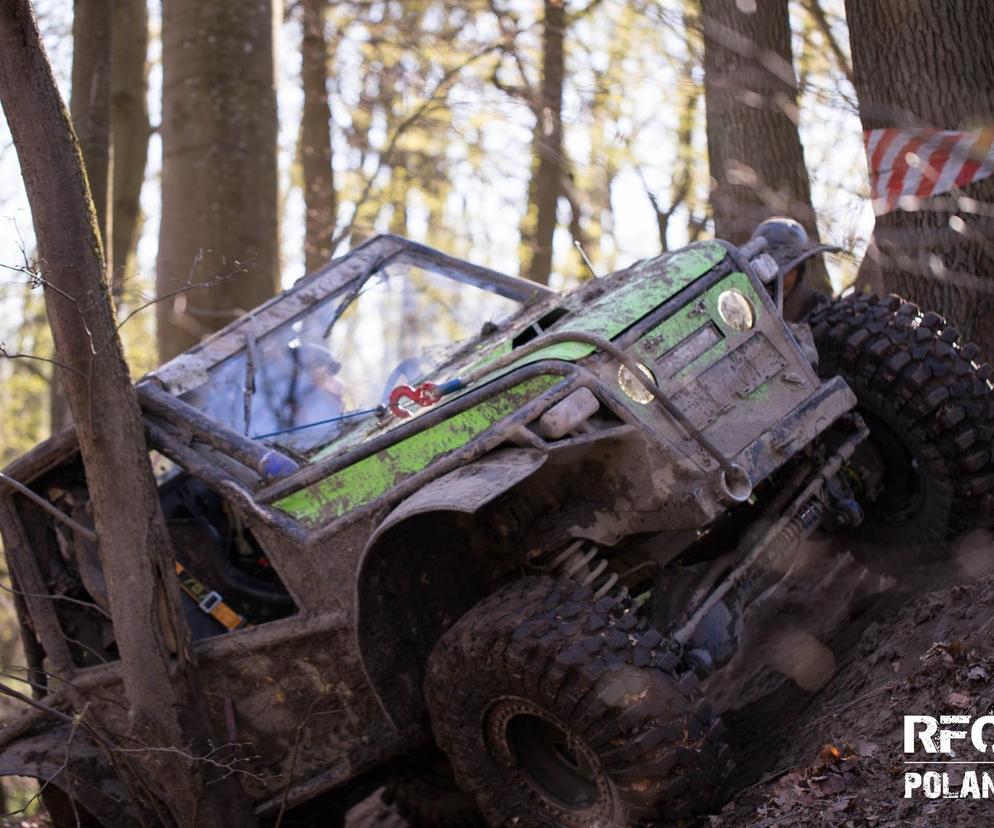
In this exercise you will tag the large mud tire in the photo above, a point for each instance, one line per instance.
(924, 393)
(556, 710)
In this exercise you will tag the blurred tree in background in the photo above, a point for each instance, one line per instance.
(754, 144)
(219, 236)
(929, 66)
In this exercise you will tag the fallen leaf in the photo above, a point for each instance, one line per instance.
(829, 753)
(959, 700)
(977, 673)
(831, 786)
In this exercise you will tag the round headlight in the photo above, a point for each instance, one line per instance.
(736, 310)
(634, 389)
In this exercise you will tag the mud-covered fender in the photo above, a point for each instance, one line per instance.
(431, 559)
(70, 762)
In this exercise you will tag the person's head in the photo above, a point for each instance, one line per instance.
(790, 247)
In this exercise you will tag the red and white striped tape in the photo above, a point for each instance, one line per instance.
(924, 162)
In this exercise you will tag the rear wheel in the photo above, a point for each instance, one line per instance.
(556, 710)
(929, 405)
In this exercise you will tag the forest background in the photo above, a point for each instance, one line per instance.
(435, 118)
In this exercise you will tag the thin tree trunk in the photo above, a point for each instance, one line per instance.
(90, 103)
(754, 148)
(315, 138)
(934, 68)
(160, 679)
(219, 176)
(131, 131)
(681, 187)
(90, 106)
(539, 224)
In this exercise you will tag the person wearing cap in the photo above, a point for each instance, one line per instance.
(790, 247)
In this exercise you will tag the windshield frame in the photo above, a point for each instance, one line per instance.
(190, 369)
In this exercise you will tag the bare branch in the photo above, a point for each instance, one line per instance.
(67, 598)
(825, 27)
(386, 156)
(187, 286)
(5, 354)
(227, 766)
(35, 703)
(59, 515)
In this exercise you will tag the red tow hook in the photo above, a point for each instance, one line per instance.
(424, 395)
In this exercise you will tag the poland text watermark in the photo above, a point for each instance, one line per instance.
(953, 740)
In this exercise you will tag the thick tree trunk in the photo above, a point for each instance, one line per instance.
(754, 149)
(160, 678)
(129, 87)
(926, 63)
(315, 138)
(545, 187)
(219, 177)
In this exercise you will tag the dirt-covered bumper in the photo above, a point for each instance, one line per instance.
(809, 419)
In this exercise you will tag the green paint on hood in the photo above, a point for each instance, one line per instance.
(646, 286)
(367, 479)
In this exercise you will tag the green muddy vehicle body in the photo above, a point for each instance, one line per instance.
(384, 535)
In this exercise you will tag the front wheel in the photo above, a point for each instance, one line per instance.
(929, 405)
(555, 710)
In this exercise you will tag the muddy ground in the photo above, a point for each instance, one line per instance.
(834, 755)
(825, 747)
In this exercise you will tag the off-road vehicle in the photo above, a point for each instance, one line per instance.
(436, 523)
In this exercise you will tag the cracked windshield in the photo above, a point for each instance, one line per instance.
(317, 377)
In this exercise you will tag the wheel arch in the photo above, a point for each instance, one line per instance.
(429, 561)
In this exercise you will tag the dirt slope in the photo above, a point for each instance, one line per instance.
(835, 756)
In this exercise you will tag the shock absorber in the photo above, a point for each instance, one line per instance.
(782, 538)
(586, 567)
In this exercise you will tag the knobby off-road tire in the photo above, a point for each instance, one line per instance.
(926, 395)
(555, 710)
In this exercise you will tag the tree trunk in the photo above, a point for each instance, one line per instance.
(90, 106)
(90, 103)
(129, 87)
(315, 138)
(539, 224)
(219, 177)
(925, 63)
(160, 680)
(754, 149)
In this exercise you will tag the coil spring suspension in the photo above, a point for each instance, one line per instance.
(588, 569)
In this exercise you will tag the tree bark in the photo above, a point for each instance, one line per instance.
(90, 103)
(90, 107)
(131, 131)
(925, 63)
(315, 138)
(754, 149)
(219, 175)
(159, 674)
(545, 187)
